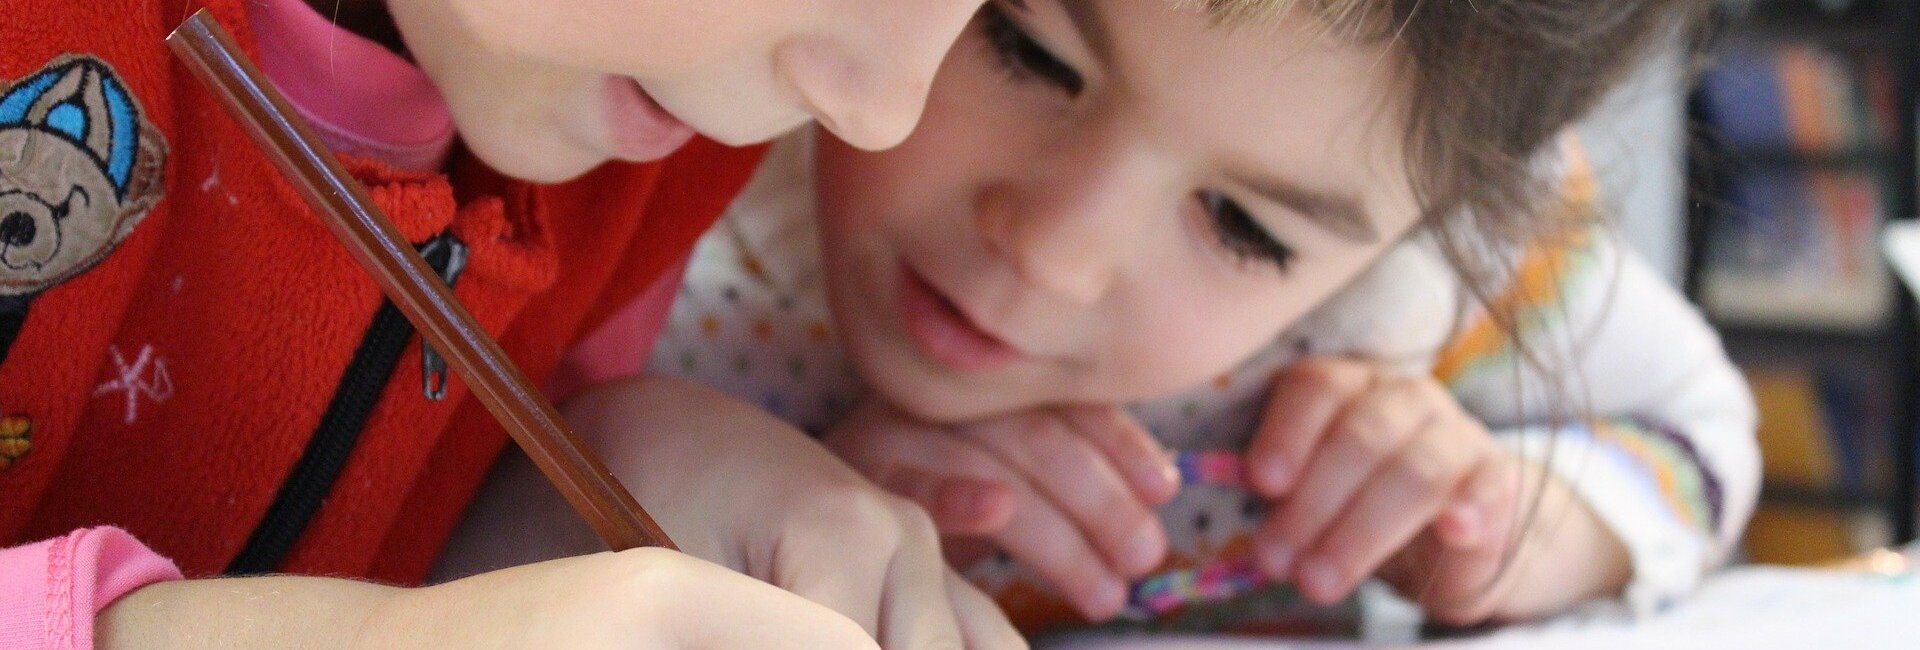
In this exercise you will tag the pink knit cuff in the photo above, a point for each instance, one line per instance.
(51, 591)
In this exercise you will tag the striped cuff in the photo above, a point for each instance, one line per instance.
(1648, 486)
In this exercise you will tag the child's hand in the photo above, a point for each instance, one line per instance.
(1361, 461)
(644, 598)
(1068, 492)
(735, 485)
(1567, 555)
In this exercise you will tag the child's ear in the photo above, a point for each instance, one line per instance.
(81, 99)
(147, 182)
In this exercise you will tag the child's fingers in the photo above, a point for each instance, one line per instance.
(1400, 499)
(855, 589)
(1305, 399)
(685, 606)
(1141, 459)
(981, 624)
(1076, 478)
(964, 551)
(1463, 584)
(1047, 543)
(1410, 570)
(1465, 577)
(959, 505)
(970, 493)
(916, 610)
(1371, 430)
(1451, 586)
(1483, 507)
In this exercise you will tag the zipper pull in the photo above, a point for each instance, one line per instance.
(448, 257)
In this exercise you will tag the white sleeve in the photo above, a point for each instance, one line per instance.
(1659, 440)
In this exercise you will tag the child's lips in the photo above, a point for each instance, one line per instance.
(641, 130)
(941, 330)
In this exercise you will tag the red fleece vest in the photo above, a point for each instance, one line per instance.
(184, 322)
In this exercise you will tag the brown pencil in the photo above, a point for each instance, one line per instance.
(209, 51)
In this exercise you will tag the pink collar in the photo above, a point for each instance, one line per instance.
(362, 98)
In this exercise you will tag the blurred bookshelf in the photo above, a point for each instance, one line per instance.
(1802, 147)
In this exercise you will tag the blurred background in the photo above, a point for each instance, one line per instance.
(1756, 164)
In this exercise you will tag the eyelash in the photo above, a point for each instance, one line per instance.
(1022, 56)
(1242, 235)
(1025, 58)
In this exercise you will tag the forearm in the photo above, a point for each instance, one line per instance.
(264, 612)
(640, 598)
(657, 431)
(682, 448)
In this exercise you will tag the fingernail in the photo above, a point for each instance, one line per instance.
(1467, 524)
(966, 501)
(1276, 559)
(1166, 476)
(1319, 579)
(1144, 550)
(1107, 599)
(1159, 480)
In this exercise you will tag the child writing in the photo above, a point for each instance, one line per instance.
(1351, 209)
(197, 380)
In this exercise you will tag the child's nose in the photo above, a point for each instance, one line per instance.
(1066, 246)
(869, 86)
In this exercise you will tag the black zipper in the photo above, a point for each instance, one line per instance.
(433, 368)
(13, 314)
(334, 438)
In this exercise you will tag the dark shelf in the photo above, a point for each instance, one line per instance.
(1859, 12)
(1824, 497)
(1760, 345)
(1808, 336)
(1738, 158)
(1840, 33)
(1861, 25)
(1884, 29)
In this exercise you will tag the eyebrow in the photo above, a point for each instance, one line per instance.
(1338, 214)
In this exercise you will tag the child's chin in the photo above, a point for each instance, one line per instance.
(939, 402)
(536, 160)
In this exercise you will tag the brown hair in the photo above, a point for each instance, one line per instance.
(1490, 85)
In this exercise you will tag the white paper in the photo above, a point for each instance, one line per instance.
(1748, 607)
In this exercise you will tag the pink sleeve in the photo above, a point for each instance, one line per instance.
(50, 591)
(621, 346)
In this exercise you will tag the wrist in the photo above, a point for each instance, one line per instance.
(274, 611)
(1567, 556)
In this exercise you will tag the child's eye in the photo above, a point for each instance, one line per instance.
(1023, 56)
(1241, 234)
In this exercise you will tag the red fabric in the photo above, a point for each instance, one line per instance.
(254, 310)
(619, 347)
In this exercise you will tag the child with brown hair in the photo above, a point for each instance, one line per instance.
(1332, 252)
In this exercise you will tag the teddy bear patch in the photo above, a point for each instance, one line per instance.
(80, 166)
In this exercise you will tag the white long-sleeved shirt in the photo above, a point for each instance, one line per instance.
(1634, 402)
